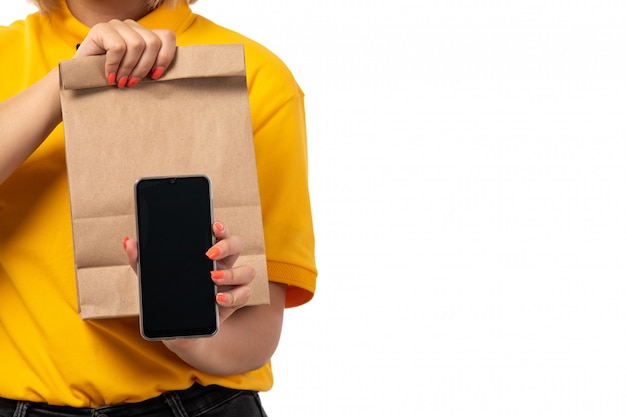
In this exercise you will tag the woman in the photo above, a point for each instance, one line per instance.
(52, 359)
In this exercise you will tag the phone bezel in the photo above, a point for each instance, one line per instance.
(183, 333)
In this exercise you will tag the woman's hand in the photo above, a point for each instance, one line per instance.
(248, 336)
(232, 283)
(132, 51)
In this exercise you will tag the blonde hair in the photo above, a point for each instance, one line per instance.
(48, 6)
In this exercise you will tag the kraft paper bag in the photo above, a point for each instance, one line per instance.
(194, 120)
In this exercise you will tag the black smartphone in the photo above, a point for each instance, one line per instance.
(177, 295)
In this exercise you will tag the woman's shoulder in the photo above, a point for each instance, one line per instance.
(260, 60)
(14, 36)
(13, 50)
(13, 32)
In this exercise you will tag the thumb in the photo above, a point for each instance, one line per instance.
(130, 246)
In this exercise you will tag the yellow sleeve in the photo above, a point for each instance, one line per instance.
(279, 128)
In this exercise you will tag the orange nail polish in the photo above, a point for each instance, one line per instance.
(122, 82)
(125, 241)
(221, 298)
(217, 274)
(132, 82)
(213, 253)
(111, 78)
(219, 226)
(157, 72)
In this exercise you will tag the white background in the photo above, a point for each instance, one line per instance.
(468, 177)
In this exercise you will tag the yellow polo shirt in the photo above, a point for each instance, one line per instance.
(48, 353)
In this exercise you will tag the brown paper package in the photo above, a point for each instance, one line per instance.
(194, 120)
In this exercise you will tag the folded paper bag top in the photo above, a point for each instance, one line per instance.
(195, 61)
(194, 120)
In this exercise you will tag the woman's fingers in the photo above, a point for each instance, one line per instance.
(227, 249)
(132, 51)
(232, 283)
(150, 56)
(130, 247)
(234, 298)
(233, 289)
(241, 275)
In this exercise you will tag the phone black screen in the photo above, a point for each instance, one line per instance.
(174, 217)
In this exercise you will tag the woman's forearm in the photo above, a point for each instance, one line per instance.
(246, 340)
(26, 120)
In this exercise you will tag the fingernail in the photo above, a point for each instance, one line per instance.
(157, 72)
(217, 274)
(213, 253)
(132, 82)
(221, 298)
(122, 82)
(219, 226)
(125, 241)
(111, 78)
